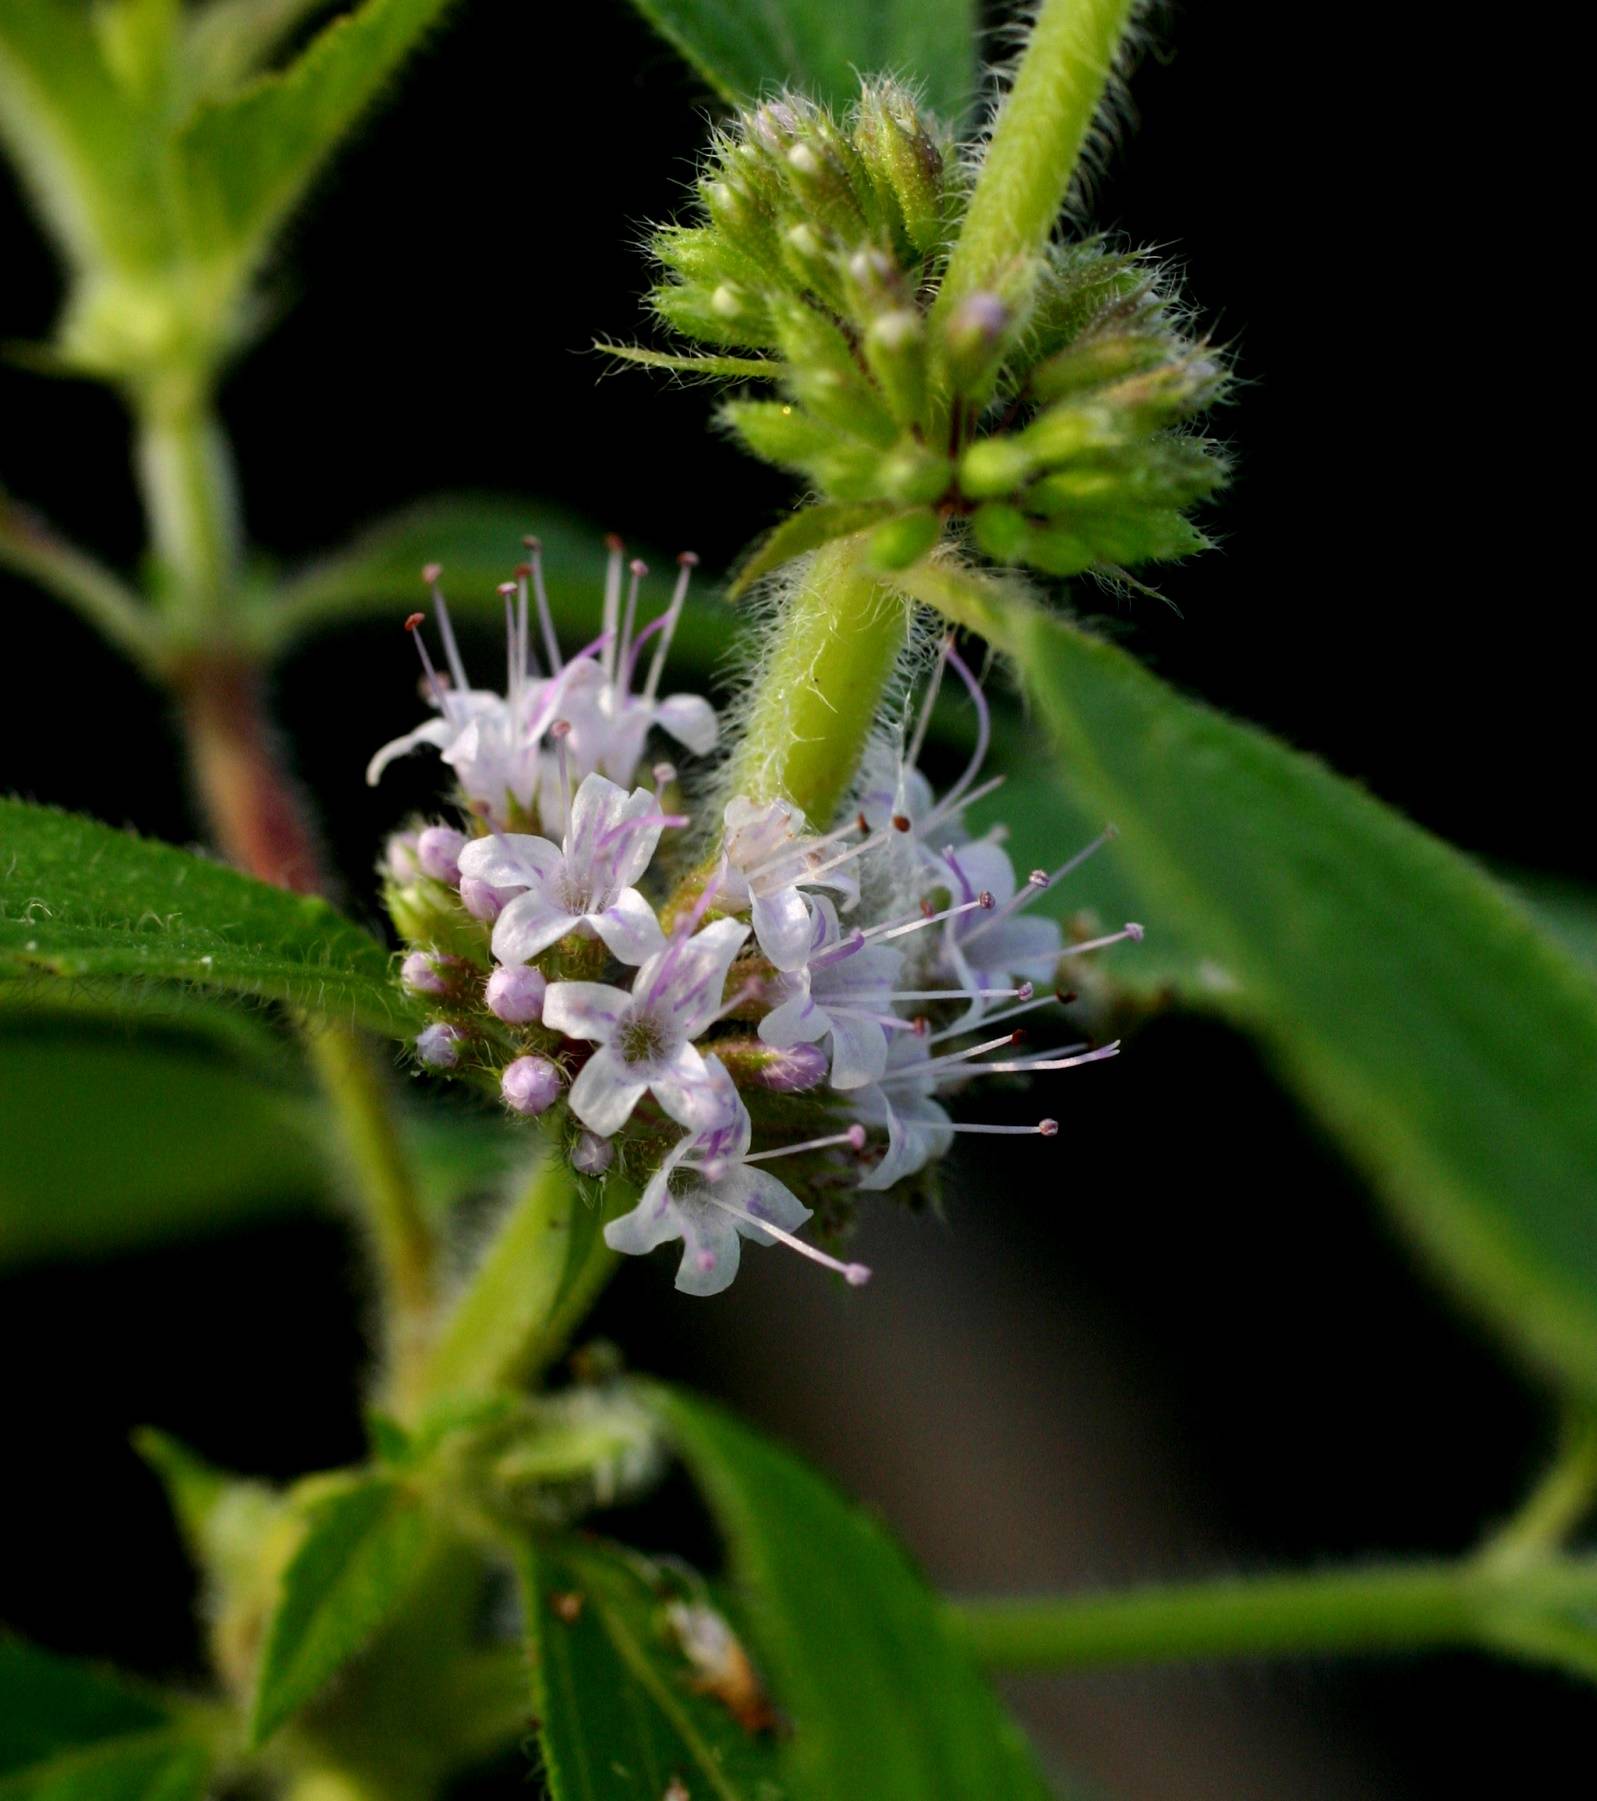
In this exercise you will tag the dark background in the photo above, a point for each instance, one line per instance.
(1188, 1343)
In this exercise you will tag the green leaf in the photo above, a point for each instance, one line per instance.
(620, 1715)
(744, 368)
(78, 899)
(364, 1549)
(1568, 910)
(113, 1140)
(858, 1652)
(1449, 1044)
(72, 1733)
(478, 540)
(805, 531)
(250, 158)
(823, 46)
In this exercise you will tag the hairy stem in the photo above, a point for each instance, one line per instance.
(29, 546)
(1566, 1494)
(827, 664)
(1381, 1608)
(185, 470)
(1036, 145)
(539, 1276)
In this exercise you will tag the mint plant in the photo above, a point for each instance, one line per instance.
(730, 978)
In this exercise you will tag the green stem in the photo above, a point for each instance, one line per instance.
(829, 660)
(185, 470)
(383, 1176)
(1555, 1507)
(1381, 1608)
(29, 546)
(1036, 145)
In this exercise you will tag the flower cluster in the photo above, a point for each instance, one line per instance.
(672, 992)
(1042, 416)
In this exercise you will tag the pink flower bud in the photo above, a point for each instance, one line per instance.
(530, 1085)
(439, 1046)
(400, 862)
(592, 1155)
(792, 1070)
(438, 851)
(422, 973)
(515, 995)
(482, 900)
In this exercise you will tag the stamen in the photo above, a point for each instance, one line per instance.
(984, 731)
(1105, 1050)
(1044, 1128)
(1036, 1059)
(855, 1274)
(457, 669)
(1039, 882)
(1024, 992)
(546, 622)
(1130, 930)
(854, 1138)
(413, 625)
(629, 663)
(664, 775)
(994, 1019)
(513, 671)
(638, 569)
(612, 601)
(806, 848)
(912, 755)
(525, 661)
(687, 562)
(853, 851)
(886, 933)
(560, 731)
(936, 1064)
(636, 824)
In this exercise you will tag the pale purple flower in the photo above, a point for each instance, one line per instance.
(845, 989)
(768, 859)
(645, 1037)
(903, 1103)
(439, 1046)
(706, 1194)
(438, 851)
(585, 884)
(530, 1085)
(515, 994)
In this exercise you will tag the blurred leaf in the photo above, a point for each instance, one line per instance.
(80, 899)
(230, 39)
(823, 46)
(85, 139)
(1449, 1044)
(249, 158)
(858, 1652)
(72, 1733)
(364, 1549)
(112, 1141)
(478, 540)
(619, 1714)
(1568, 910)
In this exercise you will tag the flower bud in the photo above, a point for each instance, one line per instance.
(482, 900)
(896, 543)
(423, 972)
(895, 349)
(791, 1071)
(530, 1085)
(438, 851)
(592, 1155)
(515, 994)
(995, 466)
(400, 863)
(973, 339)
(439, 1046)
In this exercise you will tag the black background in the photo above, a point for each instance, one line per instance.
(1189, 1342)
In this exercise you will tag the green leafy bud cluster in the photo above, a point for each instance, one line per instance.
(1050, 418)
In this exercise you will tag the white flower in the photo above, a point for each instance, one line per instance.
(845, 988)
(995, 948)
(903, 1102)
(768, 859)
(645, 1038)
(585, 884)
(706, 1195)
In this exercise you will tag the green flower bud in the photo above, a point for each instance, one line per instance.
(896, 543)
(973, 341)
(910, 472)
(895, 349)
(901, 153)
(1002, 531)
(995, 466)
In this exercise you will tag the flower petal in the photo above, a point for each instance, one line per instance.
(685, 1088)
(606, 1089)
(584, 1009)
(782, 927)
(710, 1250)
(437, 732)
(766, 1198)
(799, 1020)
(528, 926)
(629, 928)
(690, 719)
(510, 859)
(859, 1051)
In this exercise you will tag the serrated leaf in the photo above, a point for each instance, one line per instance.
(363, 1549)
(805, 531)
(249, 158)
(745, 368)
(822, 46)
(69, 1732)
(621, 1711)
(857, 1651)
(1449, 1045)
(478, 540)
(79, 899)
